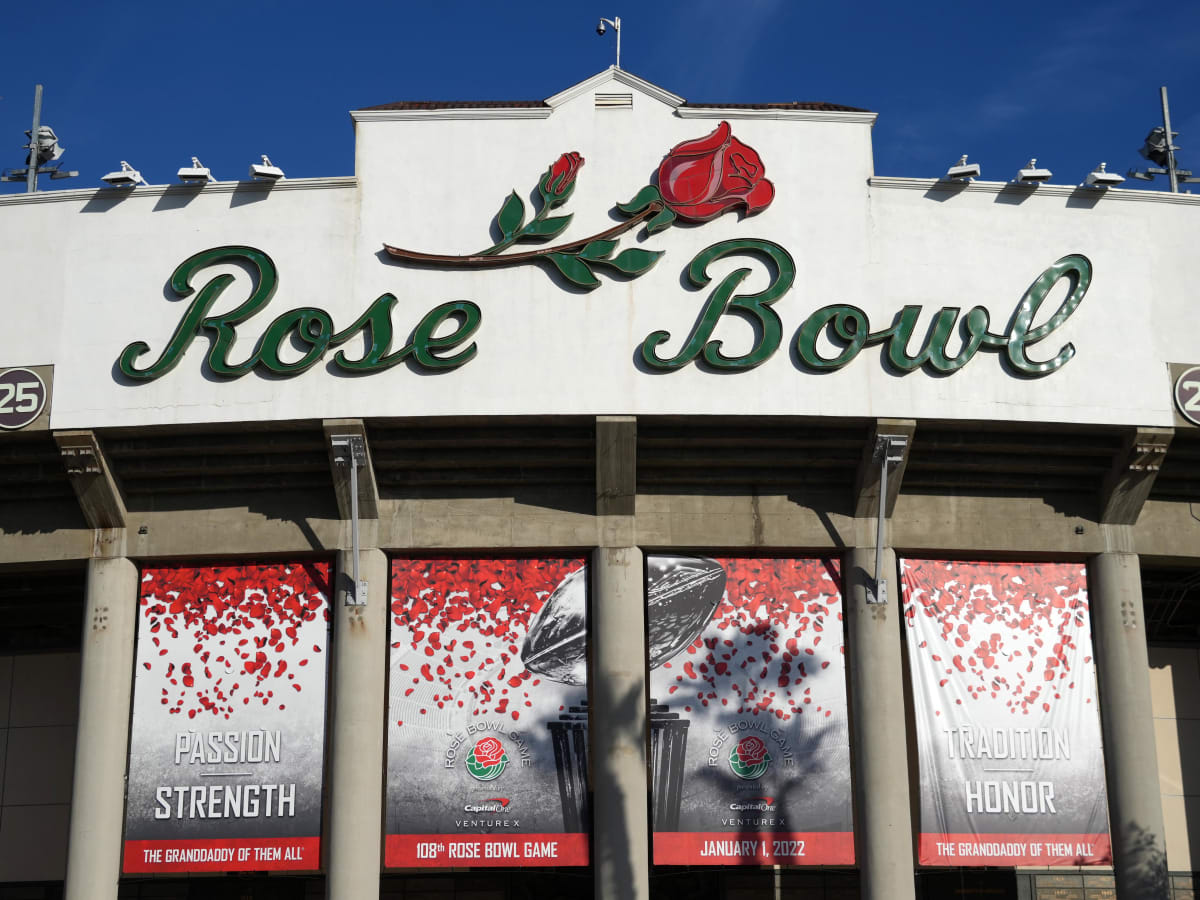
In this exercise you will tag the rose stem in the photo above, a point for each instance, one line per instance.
(478, 261)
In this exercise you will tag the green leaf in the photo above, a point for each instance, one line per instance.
(573, 269)
(661, 221)
(634, 261)
(511, 215)
(543, 229)
(644, 198)
(597, 250)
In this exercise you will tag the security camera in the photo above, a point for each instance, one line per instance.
(600, 28)
(1099, 178)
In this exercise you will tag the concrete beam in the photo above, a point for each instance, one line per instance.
(357, 729)
(878, 737)
(1127, 723)
(1128, 484)
(616, 465)
(616, 479)
(866, 482)
(91, 478)
(105, 688)
(368, 489)
(621, 838)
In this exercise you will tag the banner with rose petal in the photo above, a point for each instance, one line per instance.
(227, 744)
(749, 735)
(487, 713)
(1008, 731)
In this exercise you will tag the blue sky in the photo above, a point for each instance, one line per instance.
(153, 83)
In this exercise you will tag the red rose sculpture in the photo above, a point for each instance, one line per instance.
(489, 751)
(751, 751)
(562, 174)
(701, 179)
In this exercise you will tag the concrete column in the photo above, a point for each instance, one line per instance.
(878, 739)
(105, 687)
(618, 725)
(358, 710)
(1131, 766)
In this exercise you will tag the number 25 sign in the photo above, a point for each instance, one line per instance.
(22, 398)
(1187, 394)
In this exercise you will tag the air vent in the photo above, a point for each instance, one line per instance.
(614, 101)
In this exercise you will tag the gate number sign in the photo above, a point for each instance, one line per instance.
(1187, 394)
(22, 398)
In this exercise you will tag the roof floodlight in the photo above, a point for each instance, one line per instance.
(126, 177)
(962, 171)
(1099, 178)
(45, 145)
(1031, 174)
(268, 171)
(195, 174)
(1155, 146)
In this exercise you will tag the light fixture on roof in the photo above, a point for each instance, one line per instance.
(196, 173)
(1159, 148)
(266, 171)
(44, 152)
(125, 177)
(615, 22)
(1031, 174)
(1100, 178)
(963, 171)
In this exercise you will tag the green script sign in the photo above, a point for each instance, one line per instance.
(846, 327)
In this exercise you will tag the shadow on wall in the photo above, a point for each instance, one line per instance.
(626, 713)
(1146, 874)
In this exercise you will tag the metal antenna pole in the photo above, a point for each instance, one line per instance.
(1170, 147)
(890, 450)
(350, 450)
(617, 28)
(32, 173)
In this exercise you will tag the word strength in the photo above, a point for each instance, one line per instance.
(225, 801)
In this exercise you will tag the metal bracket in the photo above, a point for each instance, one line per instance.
(350, 450)
(889, 450)
(82, 459)
(1147, 457)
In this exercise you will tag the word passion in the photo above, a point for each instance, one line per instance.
(847, 327)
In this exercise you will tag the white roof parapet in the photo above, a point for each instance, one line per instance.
(612, 73)
(458, 112)
(1043, 190)
(800, 115)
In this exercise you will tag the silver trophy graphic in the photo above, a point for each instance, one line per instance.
(682, 594)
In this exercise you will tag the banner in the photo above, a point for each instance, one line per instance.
(227, 745)
(487, 714)
(749, 736)
(1008, 730)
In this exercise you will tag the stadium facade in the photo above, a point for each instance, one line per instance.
(608, 494)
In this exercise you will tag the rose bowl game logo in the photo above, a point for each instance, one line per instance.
(750, 759)
(487, 759)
